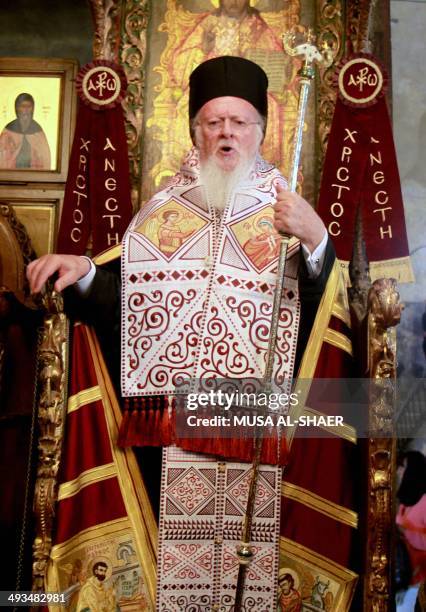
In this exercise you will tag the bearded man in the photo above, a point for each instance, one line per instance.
(94, 596)
(227, 131)
(203, 312)
(290, 599)
(23, 143)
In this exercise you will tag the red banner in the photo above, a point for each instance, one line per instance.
(361, 172)
(97, 194)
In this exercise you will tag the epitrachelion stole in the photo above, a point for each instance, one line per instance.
(197, 304)
(202, 507)
(198, 287)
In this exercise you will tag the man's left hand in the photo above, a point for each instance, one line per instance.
(296, 217)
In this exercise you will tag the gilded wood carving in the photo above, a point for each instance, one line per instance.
(384, 313)
(331, 33)
(121, 34)
(53, 368)
(132, 58)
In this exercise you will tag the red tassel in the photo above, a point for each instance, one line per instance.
(156, 432)
(172, 419)
(124, 427)
(165, 427)
(139, 422)
(149, 421)
(284, 452)
(152, 422)
(269, 451)
(132, 433)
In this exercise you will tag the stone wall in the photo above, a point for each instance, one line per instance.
(46, 28)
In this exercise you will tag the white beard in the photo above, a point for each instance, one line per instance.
(219, 184)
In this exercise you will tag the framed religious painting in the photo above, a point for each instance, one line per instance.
(38, 210)
(37, 114)
(183, 33)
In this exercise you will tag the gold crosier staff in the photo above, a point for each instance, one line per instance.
(310, 55)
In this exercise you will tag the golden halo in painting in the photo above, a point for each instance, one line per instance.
(104, 560)
(287, 570)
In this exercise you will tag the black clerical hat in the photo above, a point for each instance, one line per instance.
(228, 76)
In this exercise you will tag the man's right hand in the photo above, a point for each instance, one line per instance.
(70, 269)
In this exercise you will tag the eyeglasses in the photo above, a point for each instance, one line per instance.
(238, 126)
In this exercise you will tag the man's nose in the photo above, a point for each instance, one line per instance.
(227, 128)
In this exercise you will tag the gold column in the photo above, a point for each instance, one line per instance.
(52, 381)
(331, 34)
(384, 313)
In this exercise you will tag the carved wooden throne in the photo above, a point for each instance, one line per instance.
(122, 33)
(20, 320)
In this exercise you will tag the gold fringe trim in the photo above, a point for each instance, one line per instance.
(342, 431)
(399, 268)
(101, 472)
(338, 340)
(82, 398)
(320, 504)
(108, 255)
